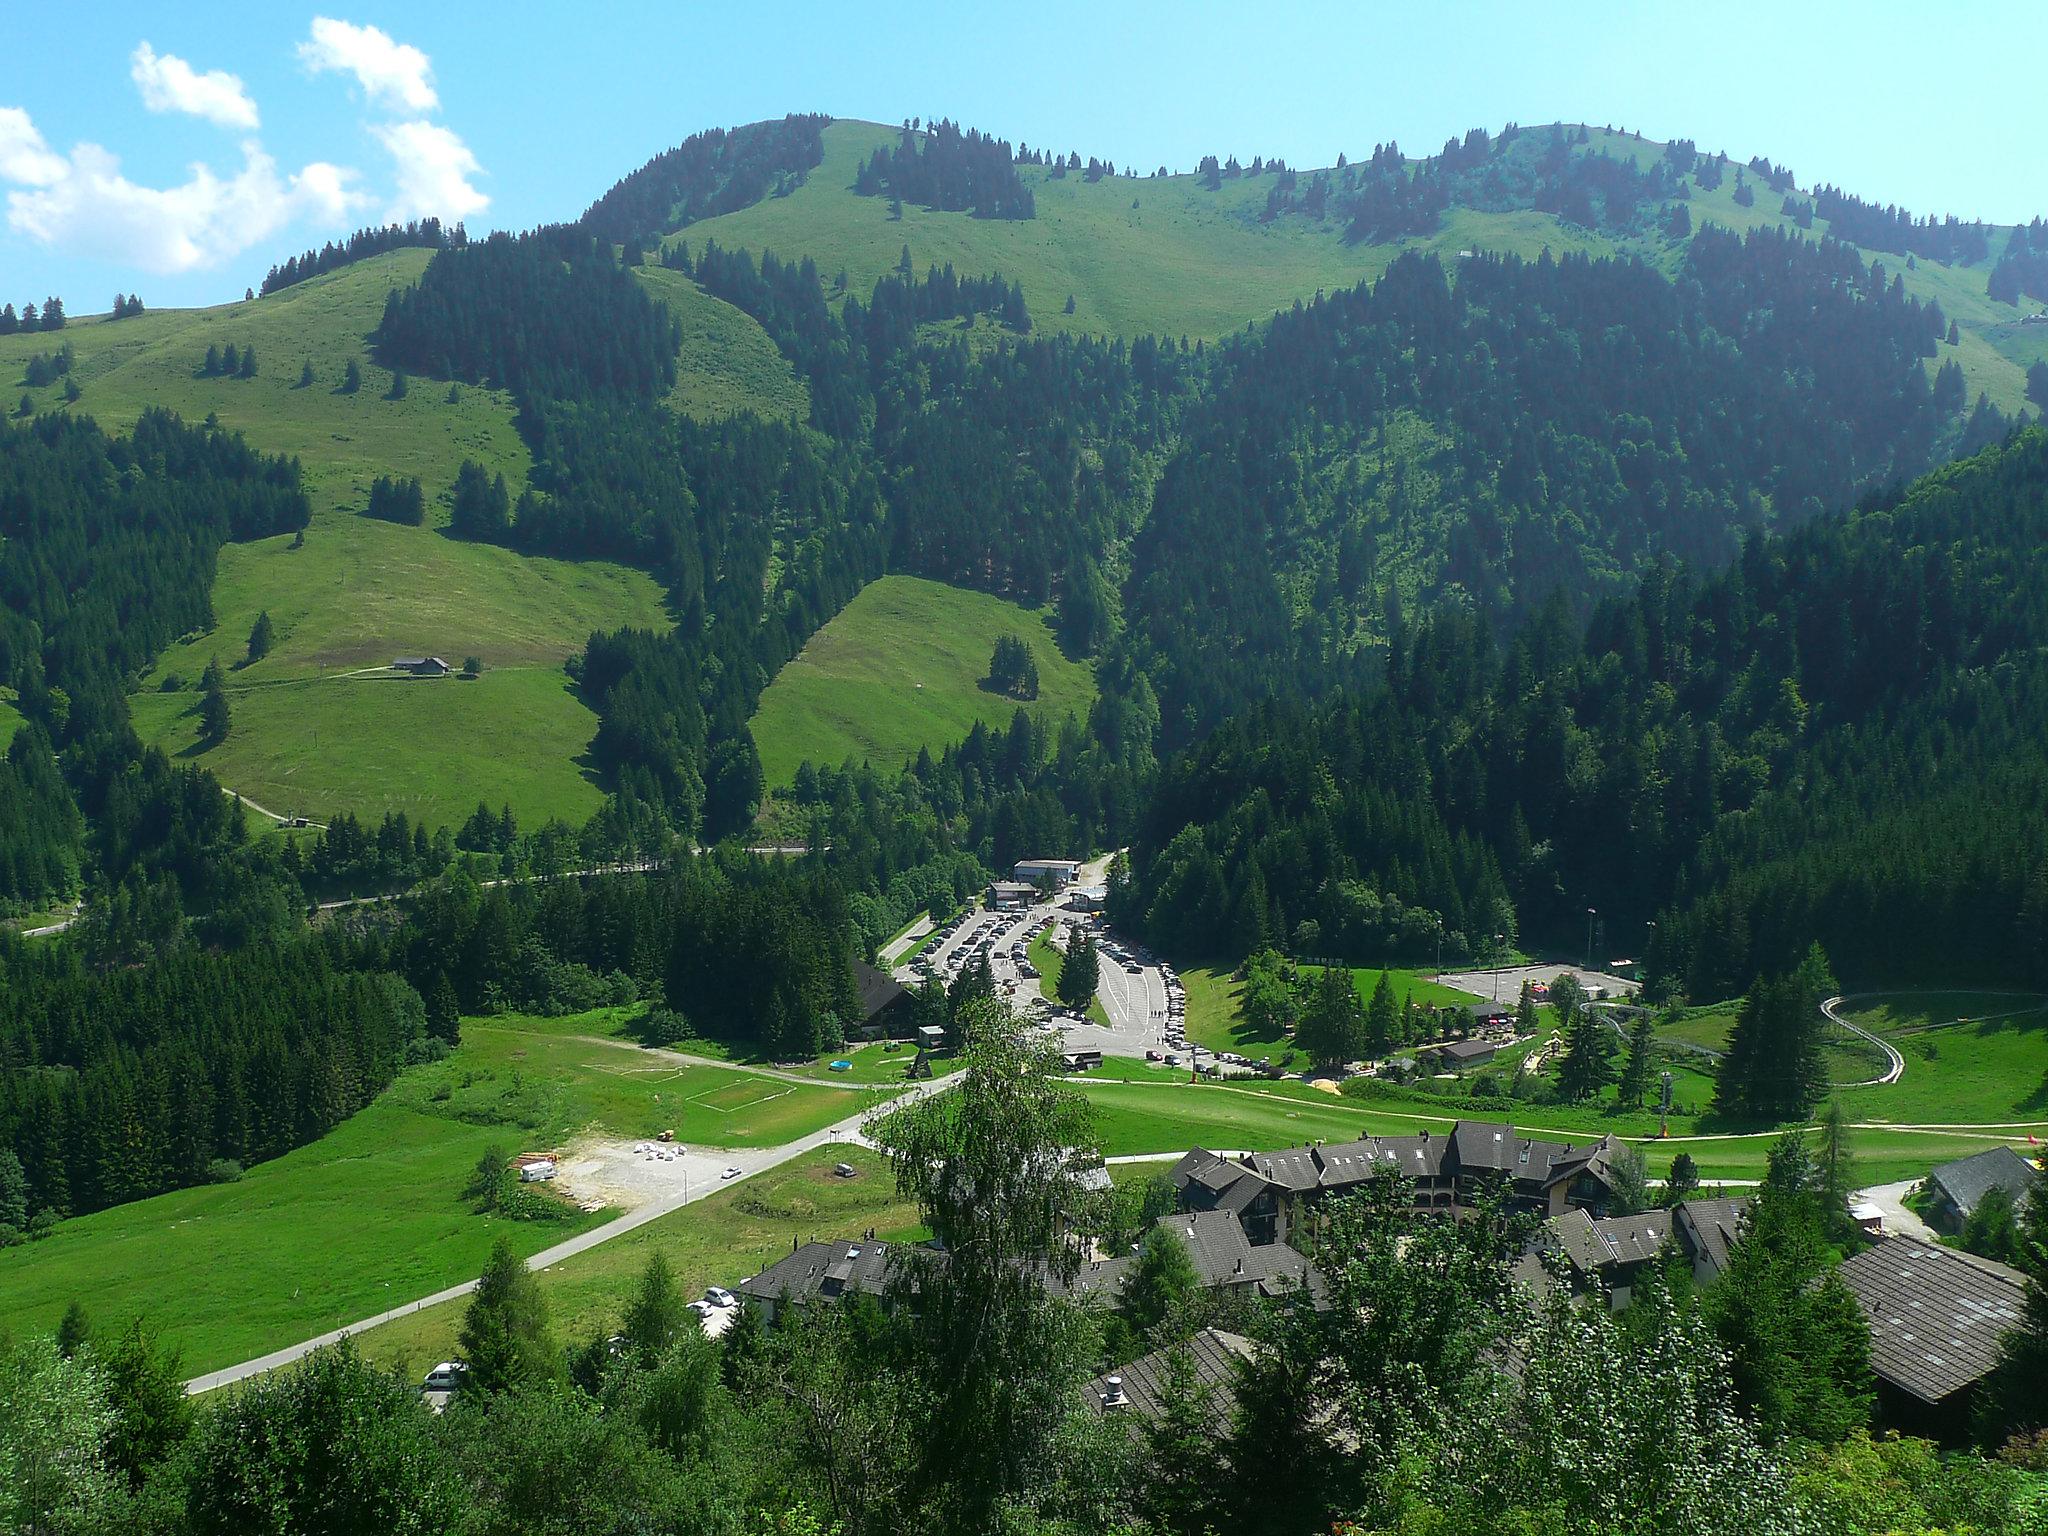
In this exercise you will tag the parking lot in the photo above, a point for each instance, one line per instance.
(1504, 985)
(1140, 997)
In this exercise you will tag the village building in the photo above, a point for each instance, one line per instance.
(421, 666)
(1056, 873)
(1611, 1254)
(1011, 895)
(1955, 1189)
(1140, 1388)
(1937, 1318)
(885, 1005)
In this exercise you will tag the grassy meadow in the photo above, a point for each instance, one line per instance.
(373, 1213)
(726, 363)
(899, 668)
(1215, 998)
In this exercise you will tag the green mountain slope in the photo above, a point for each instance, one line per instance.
(900, 668)
(1169, 256)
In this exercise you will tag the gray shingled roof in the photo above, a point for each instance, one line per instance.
(1936, 1314)
(1140, 1386)
(1969, 1179)
(827, 1269)
(1714, 1224)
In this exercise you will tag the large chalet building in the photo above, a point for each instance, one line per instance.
(1272, 1193)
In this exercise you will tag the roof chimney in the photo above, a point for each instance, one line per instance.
(1113, 1392)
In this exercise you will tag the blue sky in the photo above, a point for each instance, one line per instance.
(177, 151)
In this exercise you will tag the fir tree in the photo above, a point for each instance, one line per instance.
(306, 374)
(1080, 973)
(1635, 1071)
(351, 378)
(1382, 1019)
(260, 637)
(505, 1336)
(213, 705)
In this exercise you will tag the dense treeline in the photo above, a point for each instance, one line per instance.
(548, 313)
(1532, 427)
(709, 173)
(1959, 242)
(945, 168)
(107, 554)
(115, 1085)
(361, 245)
(1834, 739)
(2022, 268)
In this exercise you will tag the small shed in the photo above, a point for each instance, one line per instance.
(421, 666)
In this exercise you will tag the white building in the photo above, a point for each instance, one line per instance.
(1059, 873)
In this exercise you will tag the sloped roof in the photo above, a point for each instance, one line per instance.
(878, 989)
(817, 1269)
(1141, 1385)
(1714, 1225)
(1968, 1180)
(1936, 1314)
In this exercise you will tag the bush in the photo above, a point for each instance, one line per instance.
(223, 1170)
(663, 1026)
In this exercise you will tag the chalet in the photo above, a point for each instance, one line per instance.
(421, 666)
(1612, 1253)
(1057, 873)
(1140, 1388)
(1011, 895)
(1445, 1172)
(1956, 1188)
(1937, 1316)
(824, 1272)
(1459, 1055)
(885, 1005)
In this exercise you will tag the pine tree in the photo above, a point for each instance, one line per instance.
(259, 637)
(656, 1317)
(351, 378)
(1587, 1065)
(248, 368)
(2014, 1398)
(398, 386)
(1635, 1071)
(1332, 1028)
(213, 705)
(1382, 1019)
(1527, 1020)
(1683, 1181)
(230, 360)
(211, 367)
(1160, 1283)
(444, 1012)
(74, 1329)
(505, 1336)
(306, 374)
(1080, 974)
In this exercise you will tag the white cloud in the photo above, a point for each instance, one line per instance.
(434, 169)
(24, 157)
(169, 84)
(92, 208)
(393, 74)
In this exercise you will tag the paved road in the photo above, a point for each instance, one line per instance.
(849, 1131)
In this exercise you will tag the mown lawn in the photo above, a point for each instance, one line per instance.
(1051, 966)
(719, 1240)
(1971, 1057)
(373, 1213)
(1215, 999)
(899, 668)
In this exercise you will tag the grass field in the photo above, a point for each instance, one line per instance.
(318, 746)
(726, 363)
(372, 1213)
(900, 667)
(719, 1240)
(1214, 1000)
(360, 591)
(1971, 1057)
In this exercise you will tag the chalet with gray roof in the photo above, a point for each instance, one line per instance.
(1937, 1316)
(1611, 1254)
(825, 1272)
(1957, 1187)
(1140, 1389)
(1445, 1172)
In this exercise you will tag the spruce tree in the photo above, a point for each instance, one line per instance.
(1382, 1019)
(1332, 1028)
(351, 378)
(444, 1012)
(2014, 1398)
(306, 374)
(1635, 1071)
(248, 368)
(1080, 974)
(656, 1317)
(1683, 1181)
(213, 705)
(505, 1337)
(260, 637)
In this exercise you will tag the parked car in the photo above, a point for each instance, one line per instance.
(730, 1173)
(448, 1376)
(719, 1296)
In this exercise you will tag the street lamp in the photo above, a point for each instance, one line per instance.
(1590, 914)
(1499, 942)
(1643, 970)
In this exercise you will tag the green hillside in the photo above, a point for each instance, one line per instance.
(1169, 256)
(360, 591)
(726, 362)
(900, 668)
